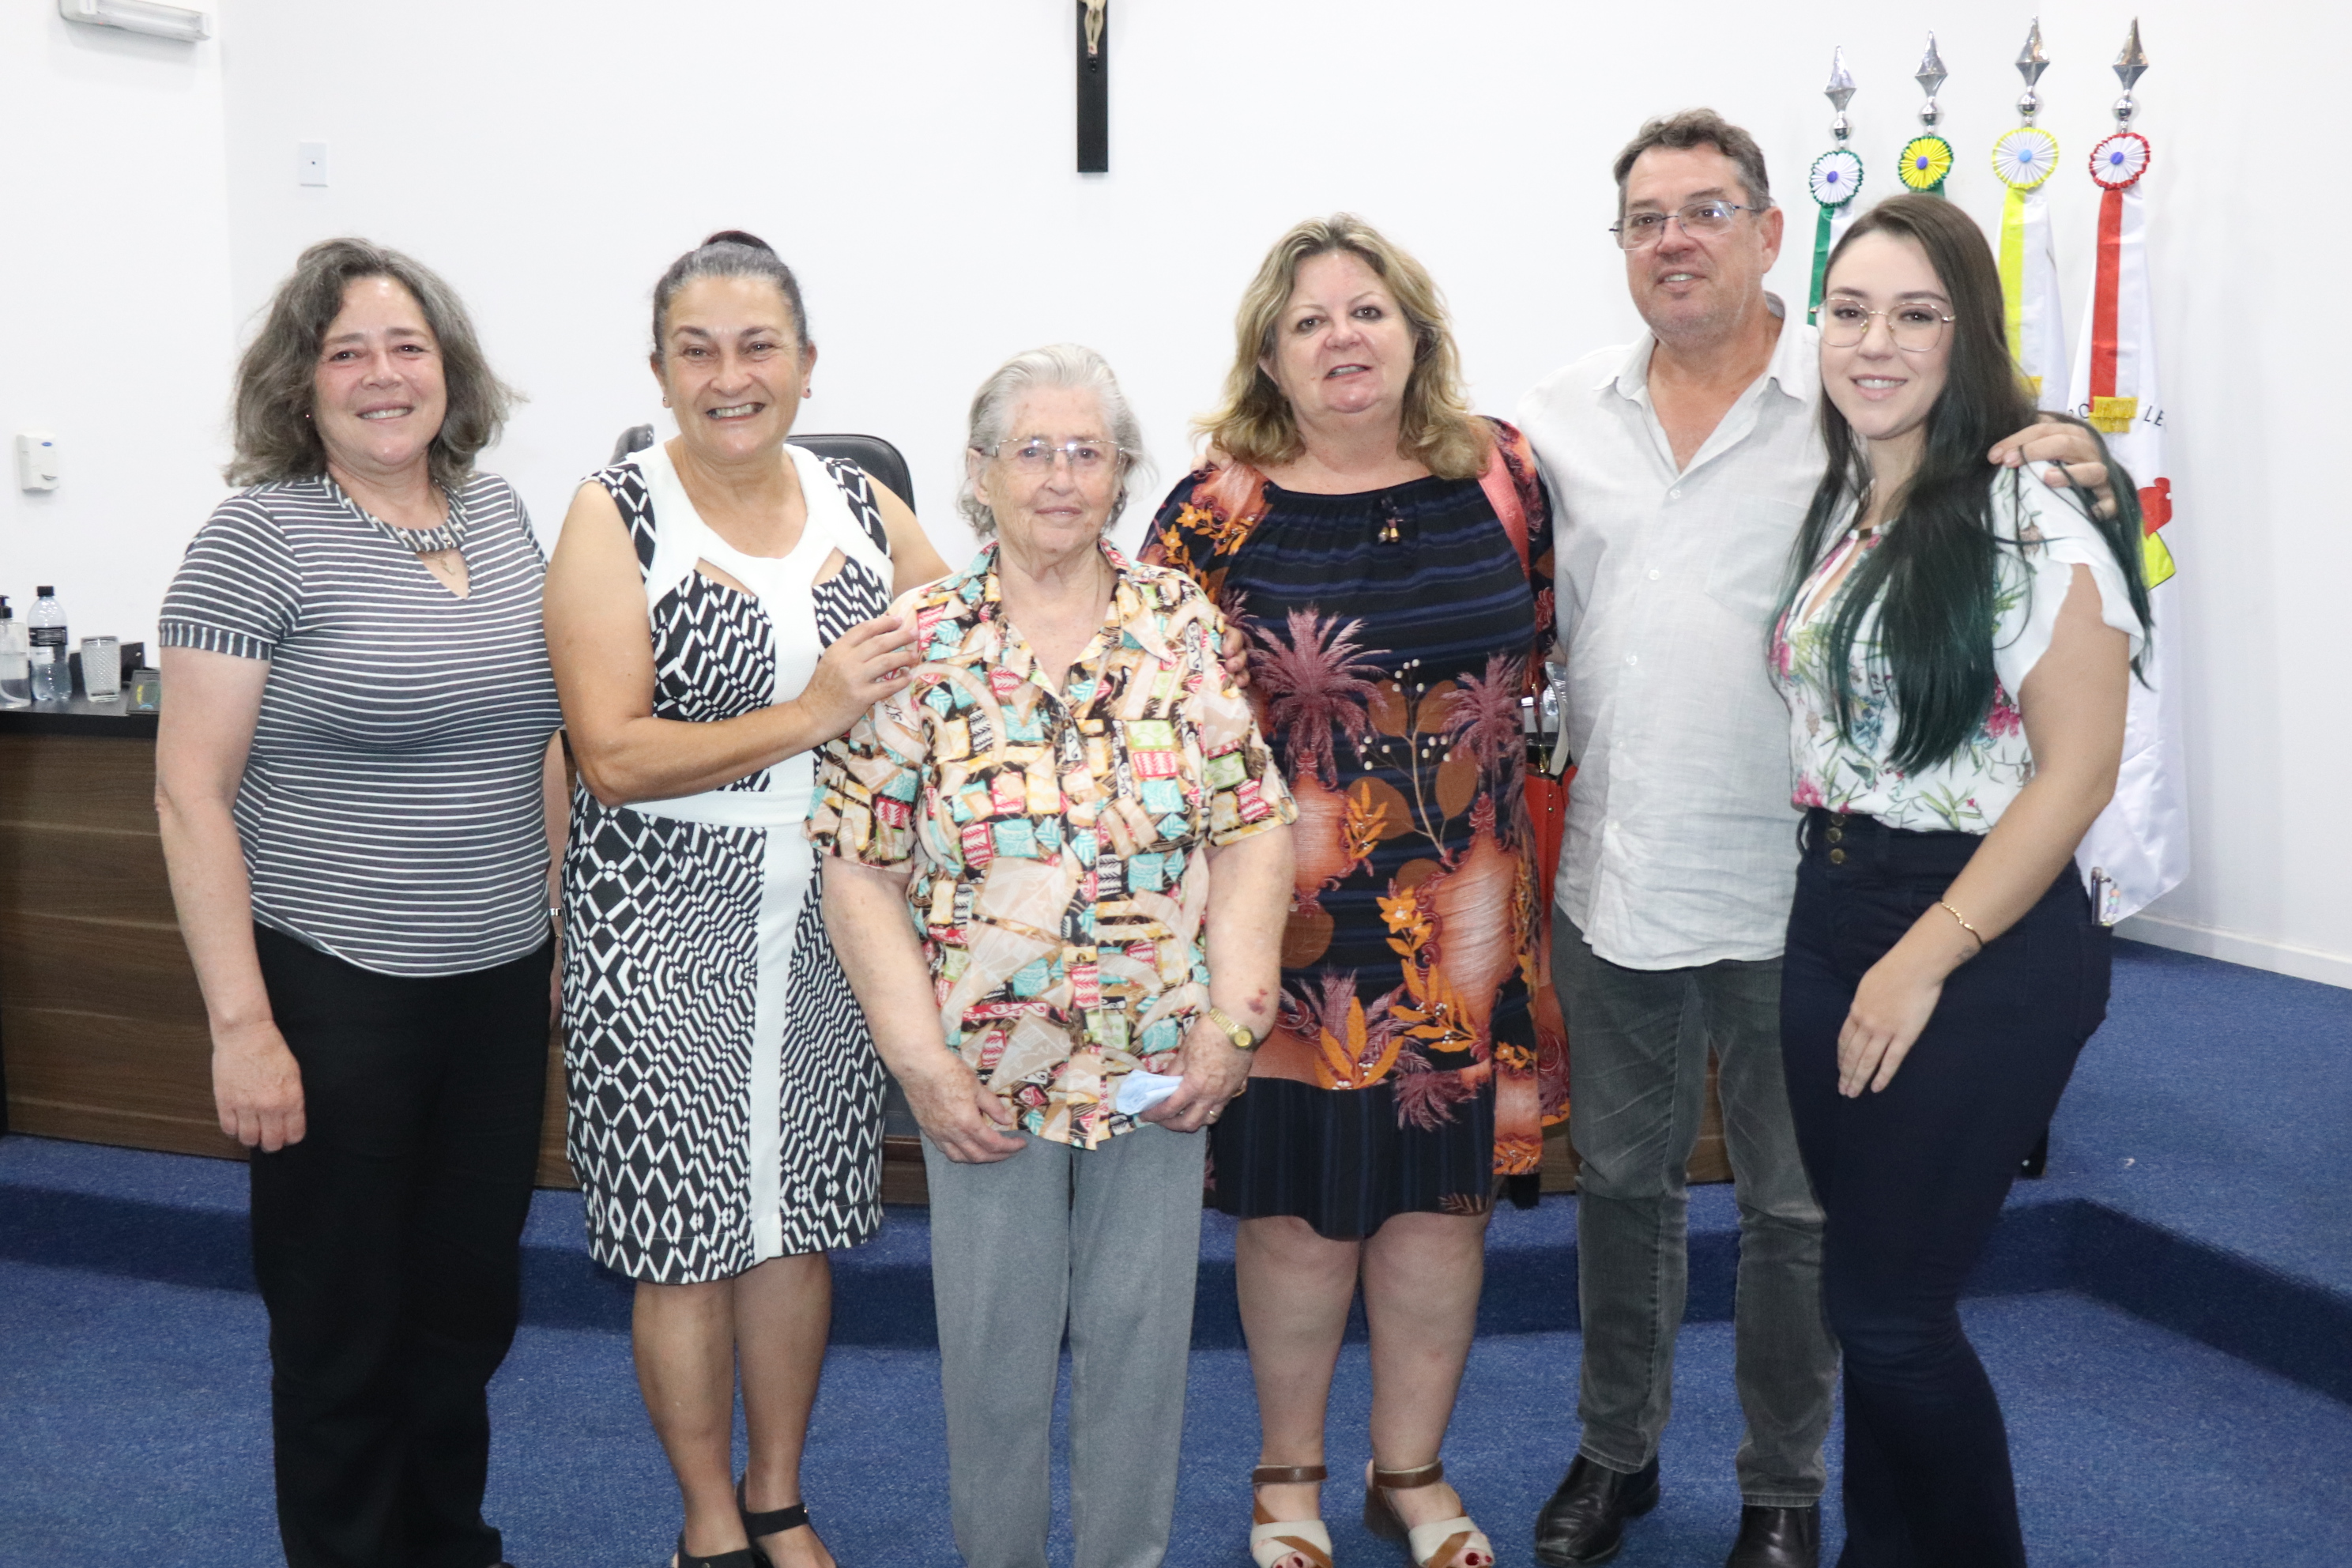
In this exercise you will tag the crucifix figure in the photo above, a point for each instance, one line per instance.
(1094, 87)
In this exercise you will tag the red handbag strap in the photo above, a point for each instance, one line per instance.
(1502, 489)
(1503, 494)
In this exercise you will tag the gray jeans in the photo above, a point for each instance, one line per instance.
(1104, 1240)
(1638, 1046)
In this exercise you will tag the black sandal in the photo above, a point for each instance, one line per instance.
(775, 1521)
(743, 1557)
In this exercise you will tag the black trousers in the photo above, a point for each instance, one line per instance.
(386, 1245)
(1912, 1180)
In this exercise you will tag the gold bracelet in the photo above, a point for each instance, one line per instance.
(1946, 906)
(1244, 1040)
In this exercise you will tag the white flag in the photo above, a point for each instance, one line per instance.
(2139, 848)
(2025, 159)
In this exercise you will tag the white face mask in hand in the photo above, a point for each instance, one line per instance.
(1138, 1091)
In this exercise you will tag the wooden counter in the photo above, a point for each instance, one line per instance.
(102, 1036)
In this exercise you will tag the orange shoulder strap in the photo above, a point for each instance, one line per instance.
(1503, 495)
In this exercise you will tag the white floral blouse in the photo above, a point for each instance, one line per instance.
(2045, 536)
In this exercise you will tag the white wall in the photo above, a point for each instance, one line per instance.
(115, 331)
(913, 160)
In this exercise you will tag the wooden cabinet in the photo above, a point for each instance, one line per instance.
(102, 1036)
(101, 1026)
(102, 1033)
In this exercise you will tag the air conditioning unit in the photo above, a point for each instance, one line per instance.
(152, 17)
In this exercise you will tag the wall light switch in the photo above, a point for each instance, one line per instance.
(310, 163)
(36, 460)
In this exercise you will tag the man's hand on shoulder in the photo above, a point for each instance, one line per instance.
(2067, 452)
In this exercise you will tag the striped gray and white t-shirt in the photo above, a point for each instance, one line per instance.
(391, 811)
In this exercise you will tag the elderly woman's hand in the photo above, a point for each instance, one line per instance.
(969, 1123)
(1233, 652)
(863, 665)
(1214, 1073)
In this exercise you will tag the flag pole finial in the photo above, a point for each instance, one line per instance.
(1930, 76)
(2031, 63)
(1840, 93)
(2130, 66)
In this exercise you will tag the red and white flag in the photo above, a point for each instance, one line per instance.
(2139, 848)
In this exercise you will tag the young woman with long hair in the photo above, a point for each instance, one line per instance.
(1956, 646)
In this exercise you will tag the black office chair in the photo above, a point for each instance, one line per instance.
(872, 453)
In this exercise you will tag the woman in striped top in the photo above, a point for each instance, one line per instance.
(358, 794)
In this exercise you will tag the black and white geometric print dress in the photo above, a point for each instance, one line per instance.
(726, 1097)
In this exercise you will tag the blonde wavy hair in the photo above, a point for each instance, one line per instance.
(1252, 423)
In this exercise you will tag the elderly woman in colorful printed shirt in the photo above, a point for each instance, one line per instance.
(1072, 800)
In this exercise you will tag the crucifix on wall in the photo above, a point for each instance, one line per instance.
(1094, 87)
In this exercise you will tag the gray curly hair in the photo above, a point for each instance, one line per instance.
(277, 377)
(1071, 365)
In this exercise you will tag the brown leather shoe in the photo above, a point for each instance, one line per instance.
(1777, 1538)
(1584, 1522)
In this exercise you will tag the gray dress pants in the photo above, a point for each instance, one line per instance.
(1105, 1241)
(1638, 1046)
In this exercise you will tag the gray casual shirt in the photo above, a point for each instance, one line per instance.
(1681, 844)
(391, 810)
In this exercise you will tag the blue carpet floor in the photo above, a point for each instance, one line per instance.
(2216, 1102)
(2169, 1318)
(137, 1432)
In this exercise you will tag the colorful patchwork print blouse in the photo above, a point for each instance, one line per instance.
(1056, 839)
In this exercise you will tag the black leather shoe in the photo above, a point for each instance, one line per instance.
(1584, 1522)
(1777, 1538)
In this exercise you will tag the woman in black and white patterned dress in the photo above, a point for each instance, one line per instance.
(716, 611)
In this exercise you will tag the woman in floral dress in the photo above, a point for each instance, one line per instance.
(1388, 554)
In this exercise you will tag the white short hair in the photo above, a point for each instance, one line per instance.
(1071, 365)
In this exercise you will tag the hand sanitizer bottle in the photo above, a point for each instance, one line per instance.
(16, 660)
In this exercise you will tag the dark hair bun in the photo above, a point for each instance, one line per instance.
(737, 236)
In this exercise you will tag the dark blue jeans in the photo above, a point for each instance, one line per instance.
(1911, 1179)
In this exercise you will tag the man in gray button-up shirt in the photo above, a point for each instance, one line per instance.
(1680, 467)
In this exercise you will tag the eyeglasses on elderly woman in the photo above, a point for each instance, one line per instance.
(1036, 454)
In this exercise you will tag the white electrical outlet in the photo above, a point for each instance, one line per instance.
(36, 460)
(310, 162)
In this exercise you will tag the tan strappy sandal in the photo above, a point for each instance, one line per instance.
(1444, 1543)
(1271, 1539)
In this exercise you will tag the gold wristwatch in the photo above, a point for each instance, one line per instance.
(1243, 1039)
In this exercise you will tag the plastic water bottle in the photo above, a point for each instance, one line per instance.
(16, 660)
(52, 677)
